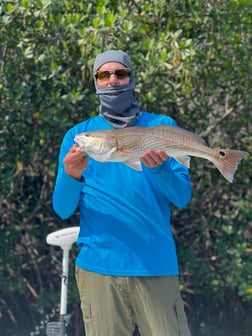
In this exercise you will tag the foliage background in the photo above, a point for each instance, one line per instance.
(192, 60)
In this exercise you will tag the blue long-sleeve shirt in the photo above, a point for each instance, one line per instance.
(124, 213)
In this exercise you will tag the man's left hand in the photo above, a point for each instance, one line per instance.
(153, 158)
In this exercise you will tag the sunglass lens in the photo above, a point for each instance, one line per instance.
(103, 75)
(122, 73)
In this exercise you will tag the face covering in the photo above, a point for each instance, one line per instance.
(117, 103)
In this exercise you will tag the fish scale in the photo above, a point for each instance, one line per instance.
(157, 138)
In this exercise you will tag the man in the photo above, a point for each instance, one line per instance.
(126, 270)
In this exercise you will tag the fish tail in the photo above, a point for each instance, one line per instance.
(228, 162)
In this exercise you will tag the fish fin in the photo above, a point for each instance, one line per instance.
(228, 162)
(184, 160)
(134, 164)
(124, 150)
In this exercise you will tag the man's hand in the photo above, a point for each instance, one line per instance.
(75, 162)
(153, 158)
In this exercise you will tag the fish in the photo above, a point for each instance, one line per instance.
(127, 145)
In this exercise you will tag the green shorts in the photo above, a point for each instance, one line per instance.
(113, 306)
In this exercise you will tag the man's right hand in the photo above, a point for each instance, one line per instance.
(75, 162)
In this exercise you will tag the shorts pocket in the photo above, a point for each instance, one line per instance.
(86, 310)
(181, 318)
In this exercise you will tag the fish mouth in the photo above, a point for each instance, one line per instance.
(80, 142)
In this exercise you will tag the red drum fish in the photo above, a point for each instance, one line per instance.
(129, 144)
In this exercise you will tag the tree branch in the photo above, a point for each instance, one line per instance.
(212, 126)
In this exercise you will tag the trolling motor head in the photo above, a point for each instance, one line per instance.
(64, 237)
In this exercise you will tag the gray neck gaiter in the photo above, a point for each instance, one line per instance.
(117, 103)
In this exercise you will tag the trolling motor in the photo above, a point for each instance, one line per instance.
(63, 238)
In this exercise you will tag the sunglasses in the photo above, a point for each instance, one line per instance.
(104, 75)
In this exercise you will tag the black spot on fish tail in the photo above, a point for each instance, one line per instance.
(222, 153)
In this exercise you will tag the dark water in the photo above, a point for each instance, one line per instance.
(203, 322)
(198, 330)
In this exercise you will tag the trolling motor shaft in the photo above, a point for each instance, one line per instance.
(63, 238)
